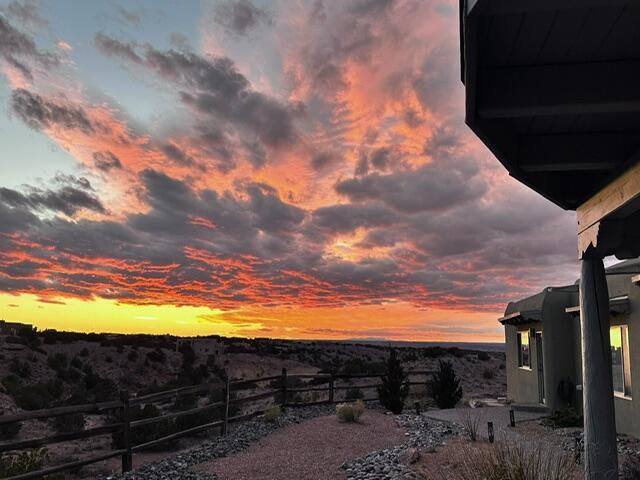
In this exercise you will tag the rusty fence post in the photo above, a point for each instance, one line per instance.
(127, 460)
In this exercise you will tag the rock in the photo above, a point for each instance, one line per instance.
(410, 456)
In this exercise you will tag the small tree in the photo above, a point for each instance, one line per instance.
(444, 386)
(394, 388)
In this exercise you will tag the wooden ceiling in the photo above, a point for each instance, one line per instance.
(553, 89)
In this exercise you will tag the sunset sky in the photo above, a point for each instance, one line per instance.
(293, 169)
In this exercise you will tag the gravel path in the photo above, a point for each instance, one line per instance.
(178, 466)
(312, 450)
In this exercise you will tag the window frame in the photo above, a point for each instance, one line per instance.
(521, 363)
(625, 358)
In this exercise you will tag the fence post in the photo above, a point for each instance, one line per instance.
(512, 418)
(127, 461)
(331, 380)
(227, 396)
(490, 431)
(284, 387)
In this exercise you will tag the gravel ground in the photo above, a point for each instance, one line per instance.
(313, 450)
(395, 463)
(178, 466)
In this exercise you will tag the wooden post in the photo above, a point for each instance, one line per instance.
(127, 458)
(600, 449)
(331, 388)
(227, 397)
(490, 431)
(512, 418)
(417, 405)
(284, 387)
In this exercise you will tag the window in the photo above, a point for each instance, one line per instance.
(620, 363)
(523, 349)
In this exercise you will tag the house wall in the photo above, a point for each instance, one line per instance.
(522, 383)
(558, 340)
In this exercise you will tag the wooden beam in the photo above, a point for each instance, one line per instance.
(501, 7)
(567, 89)
(575, 152)
(618, 194)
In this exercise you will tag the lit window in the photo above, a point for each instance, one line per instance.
(523, 349)
(620, 363)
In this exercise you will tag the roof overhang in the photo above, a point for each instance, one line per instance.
(551, 89)
(617, 306)
(520, 318)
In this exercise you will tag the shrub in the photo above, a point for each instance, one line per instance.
(38, 395)
(144, 433)
(9, 430)
(444, 386)
(76, 363)
(484, 356)
(630, 468)
(156, 355)
(354, 394)
(471, 420)
(132, 356)
(188, 355)
(24, 462)
(272, 413)
(488, 374)
(350, 412)
(568, 417)
(84, 352)
(394, 388)
(20, 368)
(513, 460)
(57, 362)
(74, 422)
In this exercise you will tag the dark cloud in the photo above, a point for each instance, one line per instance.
(106, 161)
(40, 113)
(324, 159)
(177, 154)
(72, 195)
(221, 95)
(240, 16)
(19, 50)
(432, 187)
(348, 217)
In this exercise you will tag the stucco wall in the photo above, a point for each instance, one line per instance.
(522, 383)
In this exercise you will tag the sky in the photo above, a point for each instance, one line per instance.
(286, 168)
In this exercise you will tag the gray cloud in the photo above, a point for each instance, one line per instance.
(18, 49)
(240, 16)
(40, 113)
(73, 194)
(106, 161)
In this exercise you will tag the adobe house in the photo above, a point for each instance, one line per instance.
(544, 358)
(552, 89)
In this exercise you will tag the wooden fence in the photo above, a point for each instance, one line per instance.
(281, 394)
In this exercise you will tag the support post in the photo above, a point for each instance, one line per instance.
(600, 449)
(284, 387)
(490, 431)
(331, 388)
(127, 457)
(227, 397)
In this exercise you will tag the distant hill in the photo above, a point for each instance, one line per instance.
(488, 347)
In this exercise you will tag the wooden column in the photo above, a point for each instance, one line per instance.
(227, 398)
(600, 449)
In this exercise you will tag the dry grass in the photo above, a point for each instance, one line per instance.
(350, 412)
(472, 420)
(506, 460)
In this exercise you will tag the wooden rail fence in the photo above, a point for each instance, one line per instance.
(315, 383)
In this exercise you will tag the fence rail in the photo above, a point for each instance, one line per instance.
(320, 382)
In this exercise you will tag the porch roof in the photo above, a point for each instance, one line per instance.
(551, 89)
(519, 318)
(617, 306)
